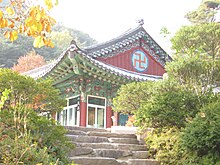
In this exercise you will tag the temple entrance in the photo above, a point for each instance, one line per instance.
(96, 112)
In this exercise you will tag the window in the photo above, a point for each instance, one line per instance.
(96, 112)
(70, 115)
(96, 101)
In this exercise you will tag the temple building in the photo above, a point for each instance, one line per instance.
(89, 78)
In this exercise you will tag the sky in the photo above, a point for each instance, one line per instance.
(106, 19)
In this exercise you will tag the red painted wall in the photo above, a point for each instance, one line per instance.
(123, 60)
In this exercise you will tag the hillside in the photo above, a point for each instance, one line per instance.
(61, 36)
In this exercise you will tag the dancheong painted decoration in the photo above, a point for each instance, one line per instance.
(89, 77)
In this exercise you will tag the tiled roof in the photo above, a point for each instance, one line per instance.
(126, 40)
(109, 48)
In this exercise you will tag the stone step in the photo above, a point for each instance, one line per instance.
(140, 154)
(131, 147)
(76, 132)
(112, 153)
(121, 154)
(94, 161)
(142, 162)
(79, 151)
(111, 135)
(87, 139)
(85, 129)
(124, 140)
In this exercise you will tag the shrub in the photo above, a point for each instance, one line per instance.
(170, 106)
(42, 141)
(26, 137)
(164, 145)
(202, 135)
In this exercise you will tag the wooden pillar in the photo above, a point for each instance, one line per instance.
(83, 113)
(109, 117)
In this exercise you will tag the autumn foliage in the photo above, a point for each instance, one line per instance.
(29, 18)
(28, 62)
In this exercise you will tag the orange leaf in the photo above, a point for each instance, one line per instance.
(50, 44)
(11, 25)
(3, 23)
(48, 28)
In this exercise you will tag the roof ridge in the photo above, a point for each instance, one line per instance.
(130, 30)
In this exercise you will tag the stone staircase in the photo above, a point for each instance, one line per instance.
(101, 147)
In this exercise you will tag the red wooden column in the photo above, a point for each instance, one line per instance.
(108, 117)
(83, 112)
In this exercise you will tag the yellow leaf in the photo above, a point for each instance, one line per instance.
(56, 3)
(1, 14)
(10, 11)
(38, 42)
(20, 29)
(13, 35)
(38, 16)
(49, 4)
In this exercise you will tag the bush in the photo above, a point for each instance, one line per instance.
(25, 136)
(202, 135)
(42, 141)
(170, 105)
(164, 144)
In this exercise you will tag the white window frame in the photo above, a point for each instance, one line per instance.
(67, 108)
(95, 106)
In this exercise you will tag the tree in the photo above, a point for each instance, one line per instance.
(196, 73)
(62, 35)
(198, 39)
(38, 95)
(28, 62)
(130, 96)
(26, 136)
(28, 18)
(203, 36)
(205, 12)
